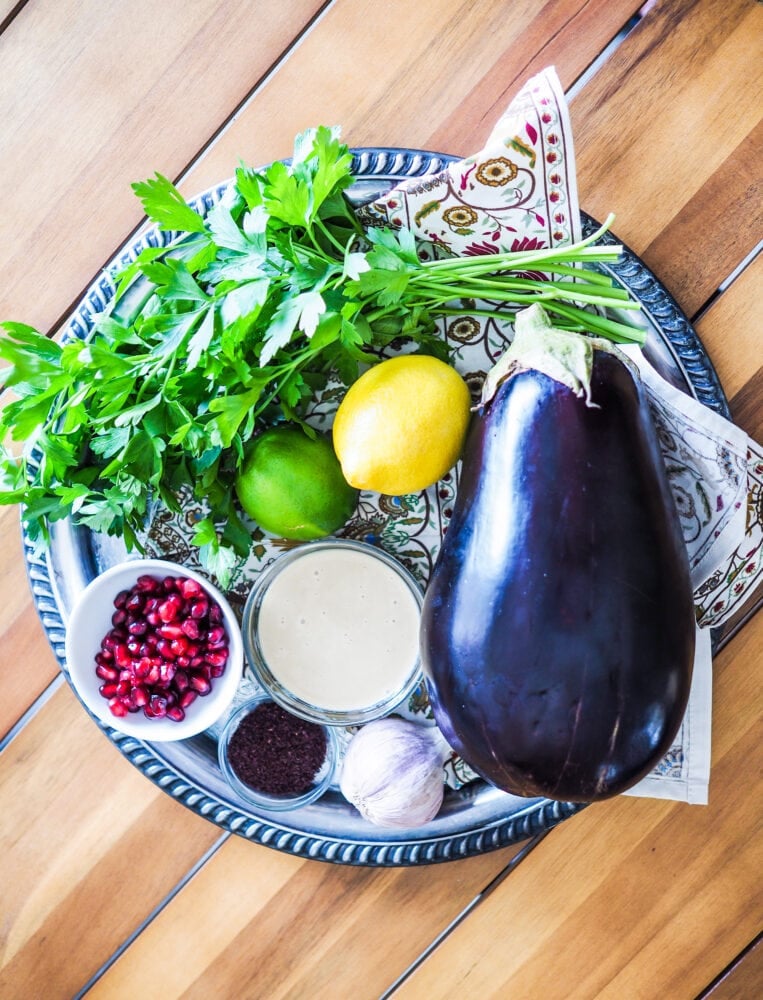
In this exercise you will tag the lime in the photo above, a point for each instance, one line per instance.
(292, 485)
(401, 426)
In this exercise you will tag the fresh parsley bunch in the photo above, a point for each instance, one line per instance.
(240, 321)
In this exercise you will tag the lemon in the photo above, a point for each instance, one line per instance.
(292, 485)
(401, 426)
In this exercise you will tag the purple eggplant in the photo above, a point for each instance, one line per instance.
(558, 627)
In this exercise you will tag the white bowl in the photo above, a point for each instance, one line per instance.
(91, 620)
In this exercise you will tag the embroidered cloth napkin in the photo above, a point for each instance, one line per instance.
(519, 193)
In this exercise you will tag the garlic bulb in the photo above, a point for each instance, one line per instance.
(393, 772)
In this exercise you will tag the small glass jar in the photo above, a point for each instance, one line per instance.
(331, 632)
(273, 801)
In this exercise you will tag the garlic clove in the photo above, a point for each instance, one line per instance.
(393, 772)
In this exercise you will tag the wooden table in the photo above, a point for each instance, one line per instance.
(108, 885)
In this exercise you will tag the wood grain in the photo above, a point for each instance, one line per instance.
(731, 332)
(29, 664)
(144, 88)
(743, 980)
(89, 848)
(634, 897)
(655, 150)
(375, 76)
(271, 926)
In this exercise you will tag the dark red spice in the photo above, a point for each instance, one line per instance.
(274, 752)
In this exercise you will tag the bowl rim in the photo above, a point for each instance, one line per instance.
(265, 800)
(257, 664)
(211, 707)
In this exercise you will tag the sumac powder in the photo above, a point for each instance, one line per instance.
(273, 751)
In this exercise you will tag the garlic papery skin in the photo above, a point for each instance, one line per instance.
(393, 772)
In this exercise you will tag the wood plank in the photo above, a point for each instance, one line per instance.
(484, 45)
(89, 847)
(566, 36)
(143, 88)
(233, 930)
(29, 660)
(743, 980)
(677, 175)
(671, 892)
(731, 333)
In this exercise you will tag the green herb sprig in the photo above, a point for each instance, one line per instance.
(248, 313)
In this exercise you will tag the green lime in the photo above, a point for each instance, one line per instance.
(292, 485)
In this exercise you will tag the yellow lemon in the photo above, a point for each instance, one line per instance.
(402, 425)
(292, 485)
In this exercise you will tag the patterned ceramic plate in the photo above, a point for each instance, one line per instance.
(475, 817)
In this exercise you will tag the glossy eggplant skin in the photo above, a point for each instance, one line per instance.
(558, 627)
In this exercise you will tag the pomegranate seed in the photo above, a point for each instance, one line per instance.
(140, 696)
(189, 588)
(158, 706)
(133, 647)
(166, 673)
(153, 618)
(119, 617)
(188, 697)
(190, 627)
(124, 688)
(183, 661)
(170, 631)
(164, 649)
(106, 673)
(117, 707)
(215, 614)
(136, 602)
(169, 584)
(179, 646)
(152, 677)
(196, 661)
(108, 690)
(104, 658)
(121, 655)
(215, 636)
(138, 626)
(152, 640)
(217, 671)
(121, 599)
(181, 681)
(217, 659)
(148, 584)
(200, 683)
(200, 608)
(176, 713)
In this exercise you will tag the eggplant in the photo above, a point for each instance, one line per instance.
(557, 633)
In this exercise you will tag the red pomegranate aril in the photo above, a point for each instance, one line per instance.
(179, 646)
(124, 688)
(153, 618)
(104, 658)
(152, 677)
(106, 673)
(200, 683)
(119, 617)
(121, 655)
(138, 627)
(117, 707)
(164, 649)
(215, 636)
(169, 631)
(133, 647)
(136, 602)
(190, 627)
(188, 697)
(217, 671)
(183, 661)
(158, 705)
(147, 583)
(180, 681)
(215, 614)
(108, 690)
(122, 598)
(140, 696)
(217, 659)
(166, 673)
(200, 608)
(169, 584)
(169, 610)
(176, 713)
(189, 588)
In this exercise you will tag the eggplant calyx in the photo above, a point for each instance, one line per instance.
(563, 355)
